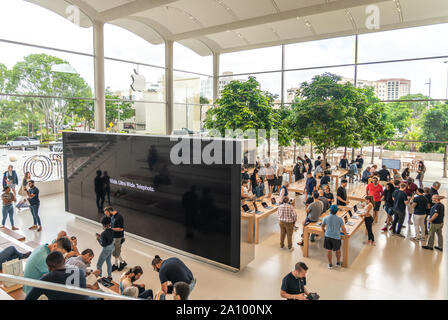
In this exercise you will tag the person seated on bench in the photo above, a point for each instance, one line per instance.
(11, 253)
(128, 280)
(181, 291)
(36, 265)
(259, 189)
(328, 194)
(313, 211)
(83, 262)
(365, 175)
(325, 181)
(59, 274)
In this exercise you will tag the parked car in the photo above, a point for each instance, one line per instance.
(23, 143)
(56, 146)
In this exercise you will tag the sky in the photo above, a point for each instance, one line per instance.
(25, 22)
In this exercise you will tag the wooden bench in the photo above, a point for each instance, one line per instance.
(13, 234)
(6, 240)
(312, 228)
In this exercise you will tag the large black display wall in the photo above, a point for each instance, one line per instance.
(190, 207)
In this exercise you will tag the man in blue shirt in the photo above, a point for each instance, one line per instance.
(36, 265)
(400, 201)
(33, 199)
(173, 270)
(59, 274)
(310, 185)
(332, 225)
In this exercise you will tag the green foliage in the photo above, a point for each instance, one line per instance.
(243, 105)
(331, 114)
(435, 127)
(112, 108)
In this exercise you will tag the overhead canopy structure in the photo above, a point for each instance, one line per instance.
(220, 26)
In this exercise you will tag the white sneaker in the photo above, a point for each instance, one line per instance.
(330, 266)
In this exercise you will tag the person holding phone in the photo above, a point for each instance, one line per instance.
(106, 240)
(368, 219)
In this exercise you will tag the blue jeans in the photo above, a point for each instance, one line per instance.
(10, 253)
(106, 255)
(34, 208)
(8, 210)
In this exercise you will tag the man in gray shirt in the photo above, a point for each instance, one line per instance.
(324, 201)
(313, 211)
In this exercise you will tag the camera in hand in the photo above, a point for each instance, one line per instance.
(312, 296)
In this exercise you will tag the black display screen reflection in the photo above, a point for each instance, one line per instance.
(191, 207)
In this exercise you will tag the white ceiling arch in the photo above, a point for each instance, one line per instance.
(219, 26)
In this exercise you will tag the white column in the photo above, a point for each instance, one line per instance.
(169, 78)
(100, 102)
(215, 77)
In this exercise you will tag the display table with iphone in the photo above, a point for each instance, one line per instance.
(352, 223)
(255, 210)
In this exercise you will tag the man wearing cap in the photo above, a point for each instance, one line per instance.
(332, 225)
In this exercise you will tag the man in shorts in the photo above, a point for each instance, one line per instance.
(332, 225)
(375, 190)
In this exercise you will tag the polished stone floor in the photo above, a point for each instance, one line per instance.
(395, 269)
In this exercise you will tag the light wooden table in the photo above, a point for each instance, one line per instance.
(312, 228)
(254, 222)
(337, 174)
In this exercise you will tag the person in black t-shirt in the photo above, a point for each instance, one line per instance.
(343, 163)
(384, 174)
(388, 204)
(328, 194)
(106, 240)
(420, 205)
(400, 202)
(436, 217)
(325, 180)
(317, 162)
(173, 270)
(341, 194)
(61, 275)
(309, 164)
(428, 197)
(117, 224)
(293, 284)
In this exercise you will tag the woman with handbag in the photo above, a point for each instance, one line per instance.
(23, 203)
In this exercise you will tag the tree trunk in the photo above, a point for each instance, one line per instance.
(373, 153)
(345, 151)
(353, 153)
(311, 150)
(269, 148)
(381, 152)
